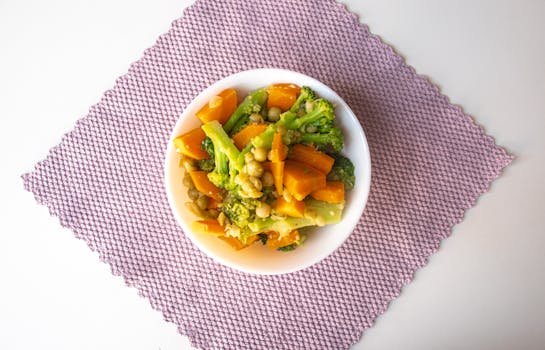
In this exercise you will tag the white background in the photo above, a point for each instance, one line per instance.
(485, 288)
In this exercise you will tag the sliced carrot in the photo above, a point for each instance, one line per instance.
(189, 144)
(201, 182)
(279, 151)
(212, 204)
(236, 243)
(293, 208)
(312, 157)
(300, 179)
(209, 226)
(219, 108)
(282, 95)
(333, 192)
(277, 171)
(244, 136)
(275, 241)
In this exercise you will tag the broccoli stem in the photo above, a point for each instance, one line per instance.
(251, 104)
(223, 144)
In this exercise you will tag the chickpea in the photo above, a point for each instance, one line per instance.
(256, 118)
(202, 202)
(193, 194)
(273, 114)
(267, 179)
(248, 157)
(309, 106)
(260, 154)
(256, 183)
(312, 129)
(213, 213)
(253, 168)
(263, 210)
(187, 181)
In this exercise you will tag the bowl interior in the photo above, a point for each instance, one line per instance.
(321, 241)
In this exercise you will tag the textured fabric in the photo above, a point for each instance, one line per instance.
(430, 163)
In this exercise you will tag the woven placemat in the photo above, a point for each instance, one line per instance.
(430, 163)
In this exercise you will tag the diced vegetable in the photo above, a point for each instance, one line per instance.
(203, 184)
(333, 192)
(244, 136)
(301, 179)
(189, 144)
(275, 240)
(212, 204)
(277, 171)
(219, 108)
(293, 208)
(209, 226)
(279, 151)
(312, 157)
(282, 96)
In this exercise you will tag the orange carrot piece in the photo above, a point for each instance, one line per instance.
(293, 208)
(212, 204)
(300, 179)
(209, 226)
(312, 157)
(333, 192)
(282, 95)
(219, 108)
(279, 151)
(244, 136)
(274, 241)
(189, 144)
(201, 182)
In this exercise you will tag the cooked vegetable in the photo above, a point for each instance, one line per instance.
(333, 192)
(275, 240)
(279, 151)
(301, 179)
(265, 173)
(236, 243)
(343, 170)
(189, 144)
(253, 103)
(244, 136)
(305, 95)
(312, 157)
(282, 95)
(277, 171)
(219, 108)
(209, 227)
(203, 184)
(292, 208)
(317, 213)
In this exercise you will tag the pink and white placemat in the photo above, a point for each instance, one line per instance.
(430, 164)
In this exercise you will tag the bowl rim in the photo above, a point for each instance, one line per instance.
(366, 183)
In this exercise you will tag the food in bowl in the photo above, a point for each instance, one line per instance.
(266, 170)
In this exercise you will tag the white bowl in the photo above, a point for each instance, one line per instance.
(321, 241)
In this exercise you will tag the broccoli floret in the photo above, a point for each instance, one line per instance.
(240, 211)
(207, 164)
(323, 113)
(316, 213)
(227, 158)
(263, 238)
(326, 140)
(306, 94)
(253, 103)
(342, 170)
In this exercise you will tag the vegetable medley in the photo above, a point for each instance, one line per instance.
(266, 169)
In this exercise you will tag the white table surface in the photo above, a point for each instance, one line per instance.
(484, 289)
